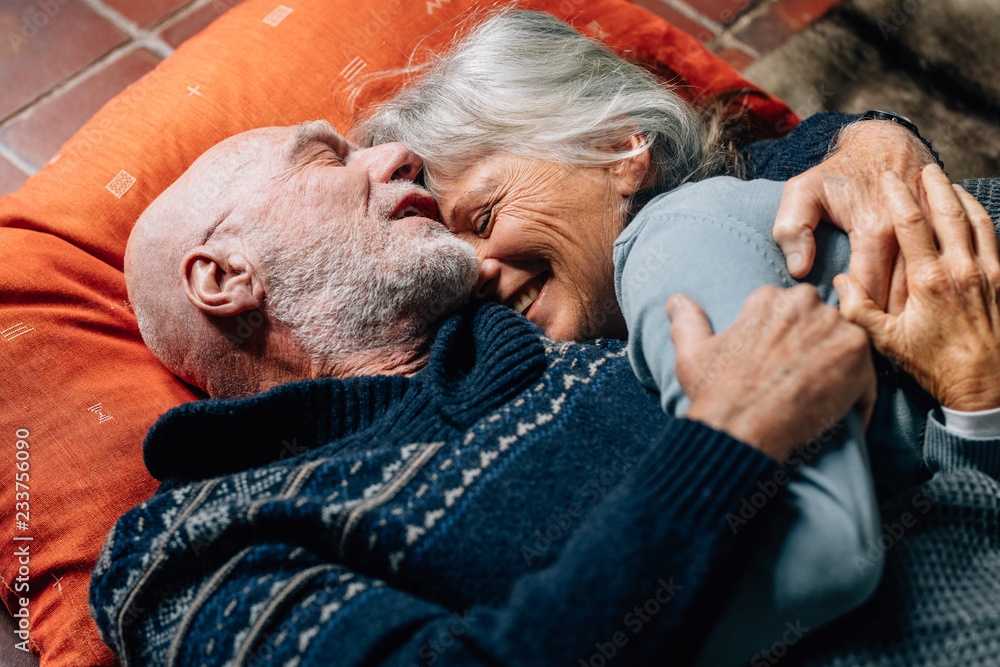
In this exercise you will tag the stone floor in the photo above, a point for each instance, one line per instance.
(61, 60)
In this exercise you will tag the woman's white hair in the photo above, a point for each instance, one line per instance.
(525, 84)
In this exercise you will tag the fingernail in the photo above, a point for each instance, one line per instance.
(891, 175)
(934, 168)
(671, 307)
(794, 263)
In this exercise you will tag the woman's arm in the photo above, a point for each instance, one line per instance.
(815, 561)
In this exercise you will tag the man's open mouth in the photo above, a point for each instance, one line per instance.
(415, 204)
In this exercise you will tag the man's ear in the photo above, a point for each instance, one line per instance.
(633, 174)
(221, 283)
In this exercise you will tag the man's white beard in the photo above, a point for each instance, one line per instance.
(373, 290)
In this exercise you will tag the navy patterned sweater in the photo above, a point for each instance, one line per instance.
(519, 502)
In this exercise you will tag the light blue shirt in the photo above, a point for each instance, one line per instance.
(819, 557)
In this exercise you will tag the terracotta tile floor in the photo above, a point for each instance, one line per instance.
(61, 60)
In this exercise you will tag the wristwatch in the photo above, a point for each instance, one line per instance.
(898, 119)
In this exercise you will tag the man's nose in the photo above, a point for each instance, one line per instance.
(388, 162)
(489, 279)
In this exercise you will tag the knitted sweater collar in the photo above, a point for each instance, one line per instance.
(481, 357)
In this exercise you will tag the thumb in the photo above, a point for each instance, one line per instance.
(866, 404)
(688, 324)
(798, 214)
(856, 306)
(868, 267)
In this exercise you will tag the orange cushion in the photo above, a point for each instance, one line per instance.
(80, 388)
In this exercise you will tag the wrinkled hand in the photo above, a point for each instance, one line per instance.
(843, 190)
(948, 333)
(788, 369)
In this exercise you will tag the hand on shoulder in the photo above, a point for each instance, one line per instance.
(788, 369)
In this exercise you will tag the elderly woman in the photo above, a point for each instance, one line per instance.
(551, 156)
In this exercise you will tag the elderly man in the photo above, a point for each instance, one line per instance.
(518, 501)
(365, 230)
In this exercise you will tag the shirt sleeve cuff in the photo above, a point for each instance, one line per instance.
(979, 424)
(944, 450)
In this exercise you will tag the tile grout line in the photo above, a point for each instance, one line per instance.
(747, 18)
(140, 36)
(693, 14)
(728, 40)
(69, 82)
(136, 38)
(16, 160)
(184, 12)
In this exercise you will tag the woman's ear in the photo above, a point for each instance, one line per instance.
(633, 174)
(220, 283)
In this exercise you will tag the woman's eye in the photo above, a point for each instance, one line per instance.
(482, 222)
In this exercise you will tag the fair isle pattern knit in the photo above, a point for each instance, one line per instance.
(513, 504)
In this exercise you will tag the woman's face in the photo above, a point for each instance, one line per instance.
(545, 235)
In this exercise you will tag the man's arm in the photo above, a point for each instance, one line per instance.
(840, 188)
(636, 577)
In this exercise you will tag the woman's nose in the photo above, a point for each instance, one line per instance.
(489, 279)
(389, 162)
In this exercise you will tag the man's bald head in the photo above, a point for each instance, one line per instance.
(283, 253)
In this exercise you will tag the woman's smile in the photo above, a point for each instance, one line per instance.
(544, 234)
